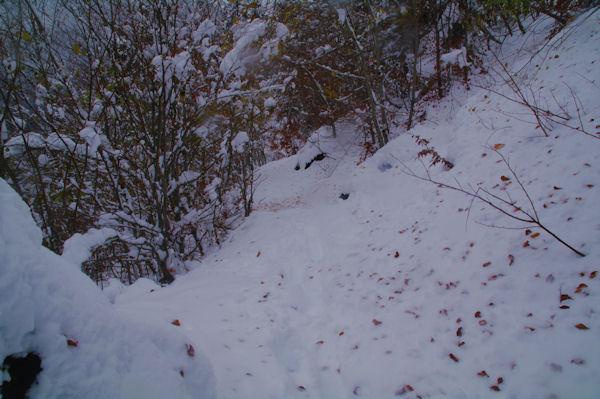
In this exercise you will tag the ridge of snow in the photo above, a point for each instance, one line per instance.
(87, 349)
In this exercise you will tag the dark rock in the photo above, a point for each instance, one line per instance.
(384, 166)
(167, 279)
(23, 373)
(319, 157)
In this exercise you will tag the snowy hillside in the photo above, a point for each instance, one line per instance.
(87, 349)
(402, 289)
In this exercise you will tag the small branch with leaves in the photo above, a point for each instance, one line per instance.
(507, 206)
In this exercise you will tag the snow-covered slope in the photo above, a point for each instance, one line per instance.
(87, 349)
(402, 289)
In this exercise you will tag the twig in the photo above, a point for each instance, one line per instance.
(496, 202)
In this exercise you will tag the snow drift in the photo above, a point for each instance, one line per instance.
(88, 350)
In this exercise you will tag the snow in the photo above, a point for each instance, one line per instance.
(59, 142)
(211, 189)
(91, 137)
(45, 302)
(401, 290)
(281, 31)
(457, 57)
(236, 59)
(239, 142)
(206, 28)
(341, 15)
(270, 102)
(15, 146)
(370, 296)
(320, 142)
(178, 66)
(77, 249)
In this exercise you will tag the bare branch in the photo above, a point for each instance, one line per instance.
(494, 201)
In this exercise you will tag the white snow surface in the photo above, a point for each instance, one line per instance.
(88, 349)
(78, 248)
(456, 56)
(317, 297)
(241, 53)
(402, 290)
(239, 141)
(91, 136)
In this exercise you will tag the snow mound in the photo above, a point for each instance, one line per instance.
(87, 349)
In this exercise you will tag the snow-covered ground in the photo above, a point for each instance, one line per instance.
(402, 289)
(88, 349)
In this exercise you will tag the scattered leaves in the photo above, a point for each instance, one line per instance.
(486, 264)
(301, 388)
(404, 390)
(376, 322)
(582, 326)
(459, 332)
(565, 297)
(321, 342)
(500, 380)
(190, 350)
(258, 254)
(181, 373)
(504, 178)
(557, 368)
(482, 373)
(498, 146)
(495, 388)
(477, 314)
(578, 361)
(341, 333)
(534, 235)
(396, 255)
(511, 259)
(453, 357)
(593, 274)
(526, 244)
(580, 288)
(176, 322)
(72, 342)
